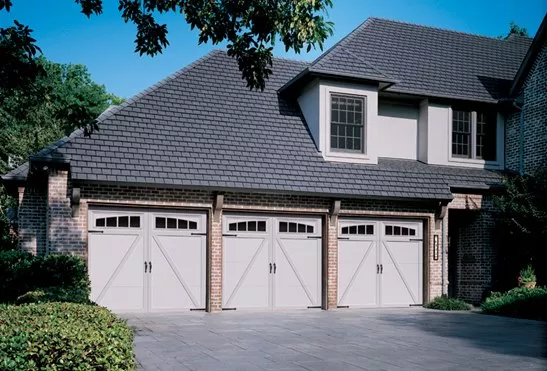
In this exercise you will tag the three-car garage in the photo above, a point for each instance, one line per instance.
(149, 260)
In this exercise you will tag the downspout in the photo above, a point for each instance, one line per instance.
(444, 209)
(521, 143)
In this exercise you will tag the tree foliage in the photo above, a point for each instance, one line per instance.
(250, 27)
(515, 29)
(40, 112)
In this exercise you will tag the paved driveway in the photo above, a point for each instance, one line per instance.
(402, 339)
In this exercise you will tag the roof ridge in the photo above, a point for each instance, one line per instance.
(443, 29)
(343, 40)
(366, 62)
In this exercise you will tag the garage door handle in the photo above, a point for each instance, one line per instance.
(343, 238)
(377, 268)
(95, 231)
(275, 268)
(381, 268)
(270, 268)
(145, 266)
(316, 237)
(229, 235)
(198, 234)
(149, 267)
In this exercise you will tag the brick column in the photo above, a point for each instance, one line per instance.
(332, 262)
(214, 257)
(65, 233)
(32, 215)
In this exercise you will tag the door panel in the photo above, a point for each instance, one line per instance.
(357, 277)
(246, 277)
(298, 272)
(401, 280)
(116, 271)
(177, 272)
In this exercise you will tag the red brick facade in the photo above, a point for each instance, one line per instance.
(65, 228)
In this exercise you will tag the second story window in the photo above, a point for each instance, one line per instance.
(347, 126)
(474, 135)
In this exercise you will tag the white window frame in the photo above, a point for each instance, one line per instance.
(497, 163)
(363, 149)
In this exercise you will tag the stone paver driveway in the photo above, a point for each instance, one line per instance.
(402, 339)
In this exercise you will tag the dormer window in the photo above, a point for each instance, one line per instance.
(347, 124)
(474, 135)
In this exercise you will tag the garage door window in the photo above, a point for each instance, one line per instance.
(174, 223)
(360, 229)
(119, 222)
(248, 226)
(290, 227)
(395, 230)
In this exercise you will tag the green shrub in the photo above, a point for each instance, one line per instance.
(519, 302)
(63, 336)
(60, 270)
(15, 274)
(446, 303)
(22, 272)
(55, 294)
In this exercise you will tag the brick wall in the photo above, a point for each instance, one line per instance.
(68, 232)
(473, 243)
(32, 215)
(534, 110)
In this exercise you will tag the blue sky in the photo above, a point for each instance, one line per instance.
(105, 43)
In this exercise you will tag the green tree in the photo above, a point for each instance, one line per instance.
(515, 29)
(43, 111)
(250, 28)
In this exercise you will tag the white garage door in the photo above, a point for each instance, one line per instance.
(147, 260)
(271, 262)
(380, 263)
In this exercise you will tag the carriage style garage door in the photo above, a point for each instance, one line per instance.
(379, 263)
(271, 262)
(147, 260)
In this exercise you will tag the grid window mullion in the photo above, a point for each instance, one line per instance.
(347, 123)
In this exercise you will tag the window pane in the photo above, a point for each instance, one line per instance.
(309, 229)
(251, 226)
(123, 221)
(362, 229)
(282, 226)
(111, 222)
(262, 226)
(292, 227)
(183, 224)
(347, 124)
(461, 133)
(405, 231)
(100, 222)
(232, 227)
(171, 223)
(192, 225)
(135, 221)
(397, 231)
(242, 226)
(301, 228)
(412, 232)
(160, 222)
(389, 230)
(345, 230)
(353, 229)
(370, 229)
(486, 136)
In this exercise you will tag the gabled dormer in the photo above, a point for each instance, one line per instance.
(393, 89)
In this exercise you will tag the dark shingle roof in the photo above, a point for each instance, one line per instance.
(202, 127)
(429, 61)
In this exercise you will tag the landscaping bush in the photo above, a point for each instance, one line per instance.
(446, 303)
(521, 302)
(15, 274)
(22, 272)
(55, 294)
(63, 336)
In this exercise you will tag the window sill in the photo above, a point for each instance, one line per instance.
(360, 158)
(475, 162)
